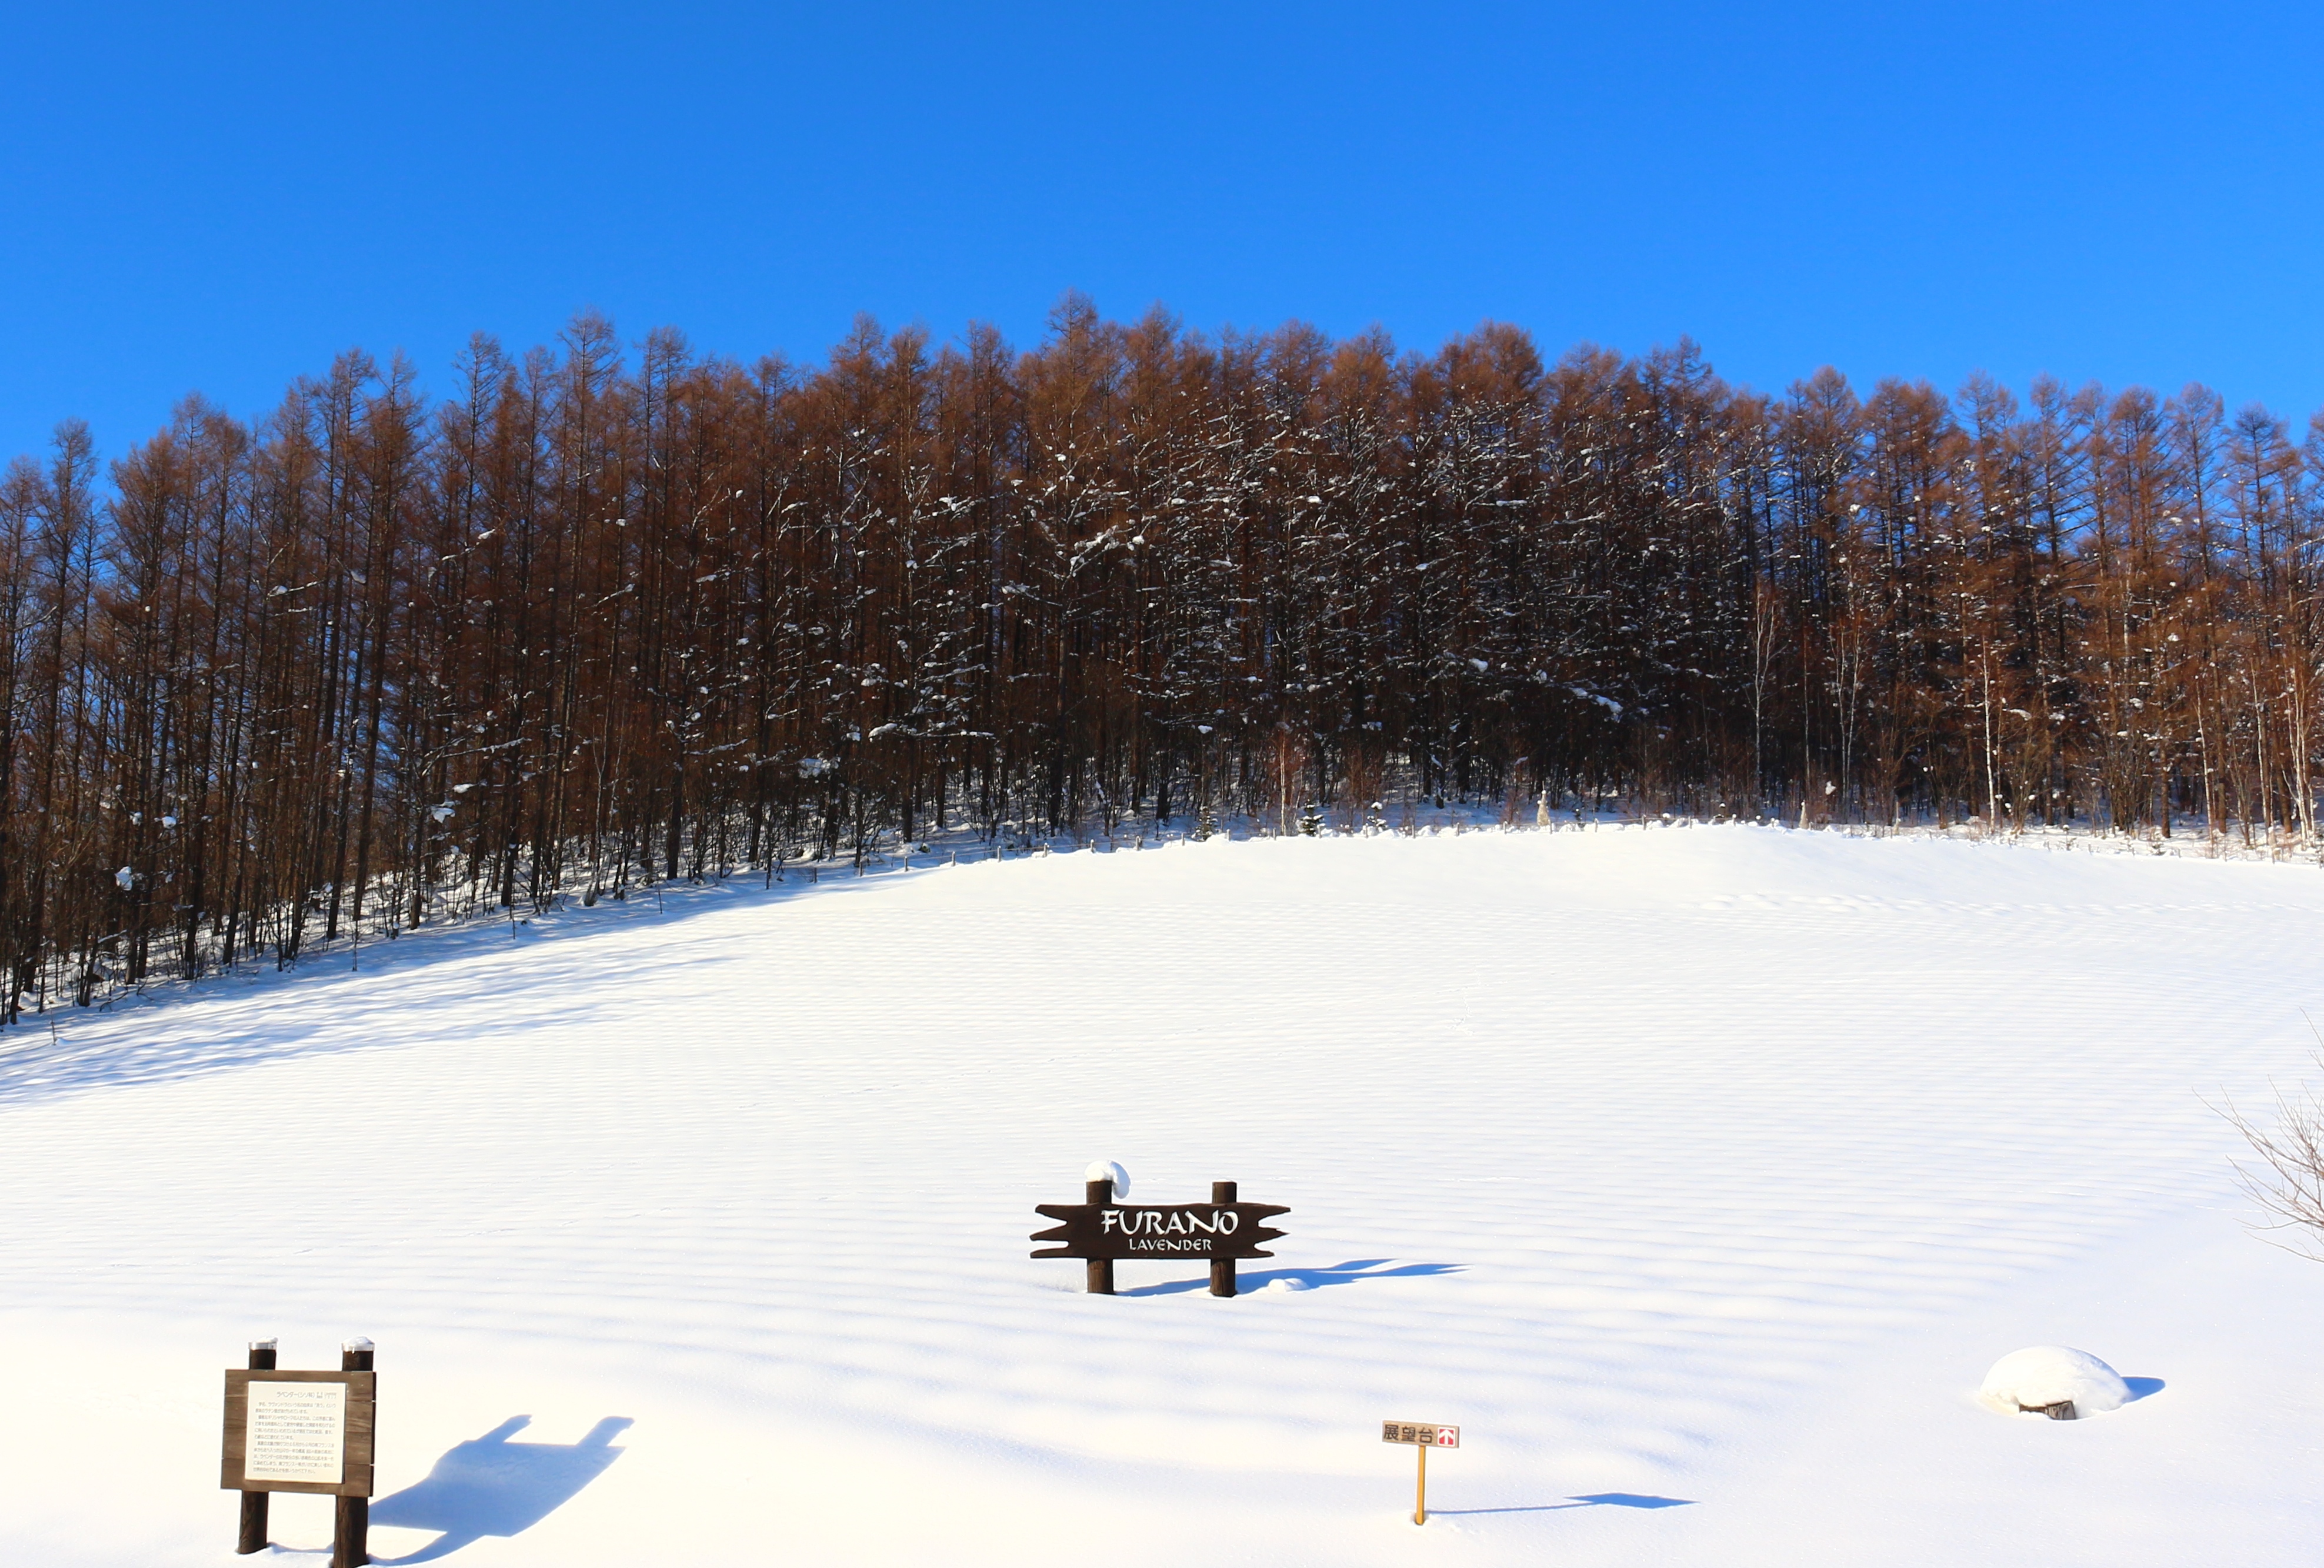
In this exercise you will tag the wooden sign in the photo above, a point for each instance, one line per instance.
(1101, 1231)
(303, 1432)
(299, 1432)
(1203, 1231)
(1422, 1435)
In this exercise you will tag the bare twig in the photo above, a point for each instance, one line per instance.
(2287, 1178)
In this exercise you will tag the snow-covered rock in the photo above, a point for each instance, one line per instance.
(2045, 1374)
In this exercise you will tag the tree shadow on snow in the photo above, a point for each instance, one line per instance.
(1347, 1273)
(489, 1486)
(1592, 1500)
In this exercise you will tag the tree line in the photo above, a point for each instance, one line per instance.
(606, 617)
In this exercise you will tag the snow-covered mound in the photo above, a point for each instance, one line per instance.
(2044, 1376)
(1664, 1163)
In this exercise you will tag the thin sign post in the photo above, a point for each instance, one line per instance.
(1422, 1436)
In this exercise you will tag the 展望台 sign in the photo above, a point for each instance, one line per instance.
(1422, 1436)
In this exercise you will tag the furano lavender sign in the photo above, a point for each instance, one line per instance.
(1101, 1231)
(1158, 1230)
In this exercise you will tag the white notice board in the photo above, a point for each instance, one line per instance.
(297, 1431)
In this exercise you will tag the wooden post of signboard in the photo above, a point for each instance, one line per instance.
(254, 1503)
(351, 1524)
(1100, 1269)
(1222, 1270)
(1420, 1489)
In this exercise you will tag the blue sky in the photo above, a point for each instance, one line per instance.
(222, 198)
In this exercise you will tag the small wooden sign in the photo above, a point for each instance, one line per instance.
(1206, 1230)
(299, 1432)
(1420, 1434)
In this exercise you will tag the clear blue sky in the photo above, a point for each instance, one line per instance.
(222, 197)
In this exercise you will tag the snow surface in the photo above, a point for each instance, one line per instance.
(2043, 1375)
(1695, 1174)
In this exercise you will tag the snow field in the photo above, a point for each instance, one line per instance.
(1698, 1171)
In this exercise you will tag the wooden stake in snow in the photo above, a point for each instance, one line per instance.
(1222, 1270)
(254, 1503)
(1422, 1437)
(351, 1524)
(1099, 1272)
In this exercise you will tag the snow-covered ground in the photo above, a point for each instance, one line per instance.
(1698, 1174)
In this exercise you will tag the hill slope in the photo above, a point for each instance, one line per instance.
(1698, 1174)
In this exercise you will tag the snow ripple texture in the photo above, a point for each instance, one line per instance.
(1697, 1174)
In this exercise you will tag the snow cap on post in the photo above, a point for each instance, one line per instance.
(1106, 1170)
(358, 1344)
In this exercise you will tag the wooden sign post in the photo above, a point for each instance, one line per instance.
(1100, 1229)
(253, 1537)
(303, 1431)
(351, 1518)
(1423, 1436)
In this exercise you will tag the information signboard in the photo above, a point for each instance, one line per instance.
(296, 1431)
(299, 1432)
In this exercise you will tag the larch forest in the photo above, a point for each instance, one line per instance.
(608, 615)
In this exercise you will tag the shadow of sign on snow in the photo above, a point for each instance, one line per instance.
(1305, 1279)
(489, 1486)
(1592, 1500)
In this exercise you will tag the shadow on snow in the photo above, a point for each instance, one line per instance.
(322, 1006)
(1590, 1500)
(1307, 1279)
(489, 1486)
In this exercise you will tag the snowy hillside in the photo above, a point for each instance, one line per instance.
(1699, 1174)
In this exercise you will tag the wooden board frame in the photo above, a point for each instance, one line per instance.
(363, 1401)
